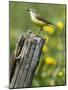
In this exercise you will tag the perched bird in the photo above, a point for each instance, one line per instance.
(39, 20)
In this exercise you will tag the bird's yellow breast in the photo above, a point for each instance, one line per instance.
(38, 22)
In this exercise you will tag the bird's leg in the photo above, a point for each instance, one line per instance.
(39, 31)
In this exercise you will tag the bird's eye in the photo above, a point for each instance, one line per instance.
(33, 10)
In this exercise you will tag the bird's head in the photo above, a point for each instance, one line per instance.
(32, 11)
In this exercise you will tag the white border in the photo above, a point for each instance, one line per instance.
(4, 43)
(45, 1)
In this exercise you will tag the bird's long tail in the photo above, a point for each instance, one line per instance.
(57, 27)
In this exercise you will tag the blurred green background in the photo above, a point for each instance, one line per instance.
(51, 69)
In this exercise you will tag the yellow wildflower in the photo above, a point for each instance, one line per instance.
(50, 61)
(60, 74)
(45, 49)
(49, 29)
(60, 25)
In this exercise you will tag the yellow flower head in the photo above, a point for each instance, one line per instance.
(60, 25)
(60, 74)
(50, 61)
(45, 49)
(49, 29)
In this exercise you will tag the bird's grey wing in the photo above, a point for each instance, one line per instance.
(43, 19)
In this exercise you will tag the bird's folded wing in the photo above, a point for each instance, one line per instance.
(43, 19)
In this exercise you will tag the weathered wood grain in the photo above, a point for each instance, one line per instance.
(27, 55)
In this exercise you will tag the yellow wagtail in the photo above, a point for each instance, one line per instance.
(39, 20)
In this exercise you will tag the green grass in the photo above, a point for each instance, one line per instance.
(46, 74)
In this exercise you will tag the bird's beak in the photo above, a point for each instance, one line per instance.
(28, 10)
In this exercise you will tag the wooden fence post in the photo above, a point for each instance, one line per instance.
(25, 60)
